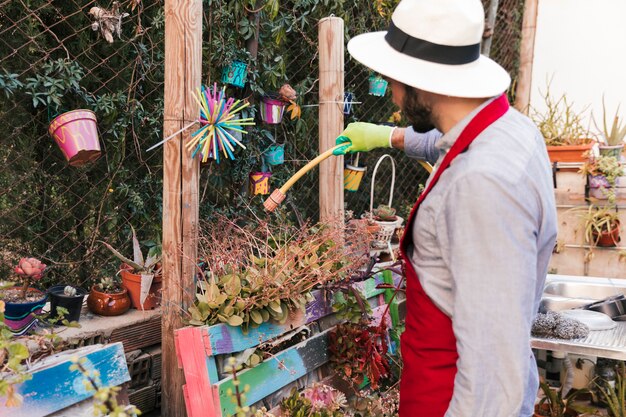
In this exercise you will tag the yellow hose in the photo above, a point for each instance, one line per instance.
(307, 168)
(278, 195)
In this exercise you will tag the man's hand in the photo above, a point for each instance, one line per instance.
(363, 137)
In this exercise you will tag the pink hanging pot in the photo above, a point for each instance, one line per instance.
(76, 133)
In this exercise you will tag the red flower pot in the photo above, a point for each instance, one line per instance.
(132, 282)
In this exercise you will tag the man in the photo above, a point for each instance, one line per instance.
(477, 250)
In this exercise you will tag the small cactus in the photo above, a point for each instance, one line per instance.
(69, 291)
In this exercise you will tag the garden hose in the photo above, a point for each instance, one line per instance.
(278, 195)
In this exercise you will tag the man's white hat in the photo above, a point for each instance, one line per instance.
(434, 45)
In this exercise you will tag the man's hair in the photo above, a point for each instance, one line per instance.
(417, 113)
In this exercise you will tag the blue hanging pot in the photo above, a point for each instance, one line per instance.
(275, 154)
(235, 74)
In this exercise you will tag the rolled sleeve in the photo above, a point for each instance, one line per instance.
(488, 238)
(421, 145)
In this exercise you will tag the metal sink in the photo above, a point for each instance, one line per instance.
(566, 292)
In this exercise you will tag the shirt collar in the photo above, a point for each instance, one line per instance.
(445, 142)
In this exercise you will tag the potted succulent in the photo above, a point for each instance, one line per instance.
(613, 137)
(108, 298)
(603, 173)
(567, 140)
(68, 297)
(23, 303)
(141, 276)
(235, 69)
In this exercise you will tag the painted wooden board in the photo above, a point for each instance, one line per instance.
(54, 387)
(276, 372)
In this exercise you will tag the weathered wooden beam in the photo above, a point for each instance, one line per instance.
(183, 59)
(331, 51)
(527, 53)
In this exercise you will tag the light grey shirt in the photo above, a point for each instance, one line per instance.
(483, 239)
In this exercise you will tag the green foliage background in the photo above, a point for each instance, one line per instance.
(51, 61)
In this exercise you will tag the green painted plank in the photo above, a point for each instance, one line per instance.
(276, 372)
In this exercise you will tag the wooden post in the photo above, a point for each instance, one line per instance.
(527, 53)
(492, 13)
(331, 51)
(183, 58)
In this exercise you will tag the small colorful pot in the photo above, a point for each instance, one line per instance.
(76, 133)
(104, 304)
(599, 186)
(235, 74)
(272, 110)
(352, 176)
(348, 98)
(378, 86)
(260, 183)
(20, 317)
(275, 154)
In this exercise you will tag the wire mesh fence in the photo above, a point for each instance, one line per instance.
(108, 57)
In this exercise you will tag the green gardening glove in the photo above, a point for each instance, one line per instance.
(363, 137)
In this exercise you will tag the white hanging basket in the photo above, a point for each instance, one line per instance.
(382, 238)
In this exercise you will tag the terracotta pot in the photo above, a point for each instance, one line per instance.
(132, 282)
(568, 153)
(105, 304)
(76, 133)
(544, 410)
(608, 239)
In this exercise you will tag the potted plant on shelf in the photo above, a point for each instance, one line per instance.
(553, 404)
(603, 173)
(141, 276)
(614, 137)
(23, 303)
(108, 298)
(566, 138)
(68, 297)
(613, 393)
(601, 225)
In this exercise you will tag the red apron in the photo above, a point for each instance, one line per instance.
(428, 343)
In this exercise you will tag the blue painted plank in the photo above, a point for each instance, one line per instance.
(228, 339)
(54, 387)
(276, 372)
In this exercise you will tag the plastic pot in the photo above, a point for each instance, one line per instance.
(235, 74)
(377, 86)
(73, 304)
(132, 282)
(76, 133)
(275, 154)
(272, 110)
(608, 239)
(20, 317)
(568, 153)
(599, 186)
(607, 150)
(352, 176)
(105, 304)
(260, 183)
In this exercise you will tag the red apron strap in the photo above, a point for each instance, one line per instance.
(485, 117)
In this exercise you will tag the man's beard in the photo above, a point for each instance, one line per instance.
(418, 114)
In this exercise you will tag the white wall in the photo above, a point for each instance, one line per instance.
(581, 45)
